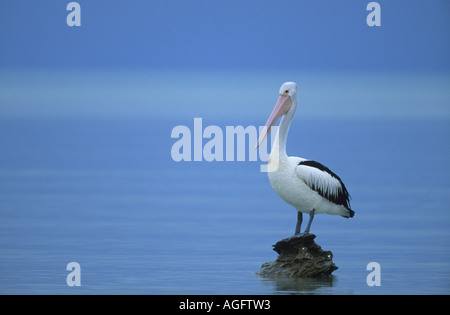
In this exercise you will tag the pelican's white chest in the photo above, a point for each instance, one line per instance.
(288, 186)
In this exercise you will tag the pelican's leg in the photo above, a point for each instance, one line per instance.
(311, 217)
(299, 223)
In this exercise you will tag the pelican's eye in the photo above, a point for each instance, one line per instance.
(286, 92)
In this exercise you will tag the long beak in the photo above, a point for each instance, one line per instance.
(282, 106)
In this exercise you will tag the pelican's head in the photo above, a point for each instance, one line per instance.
(285, 106)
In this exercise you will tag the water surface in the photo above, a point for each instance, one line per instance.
(106, 194)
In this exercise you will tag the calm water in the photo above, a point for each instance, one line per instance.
(106, 194)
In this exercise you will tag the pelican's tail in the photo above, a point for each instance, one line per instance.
(349, 213)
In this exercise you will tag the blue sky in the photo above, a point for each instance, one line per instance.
(236, 34)
(227, 59)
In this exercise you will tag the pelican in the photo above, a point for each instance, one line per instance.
(305, 184)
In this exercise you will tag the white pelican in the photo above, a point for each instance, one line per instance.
(307, 185)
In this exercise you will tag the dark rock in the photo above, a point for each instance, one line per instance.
(299, 257)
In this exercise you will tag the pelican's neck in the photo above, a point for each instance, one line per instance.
(279, 146)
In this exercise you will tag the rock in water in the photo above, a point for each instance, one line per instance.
(299, 257)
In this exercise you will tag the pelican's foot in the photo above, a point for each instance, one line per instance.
(300, 234)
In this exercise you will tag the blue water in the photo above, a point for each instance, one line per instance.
(105, 193)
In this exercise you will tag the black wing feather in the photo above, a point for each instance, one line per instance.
(342, 197)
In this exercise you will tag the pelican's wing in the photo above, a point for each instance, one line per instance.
(322, 180)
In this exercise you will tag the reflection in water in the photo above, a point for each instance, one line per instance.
(299, 285)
